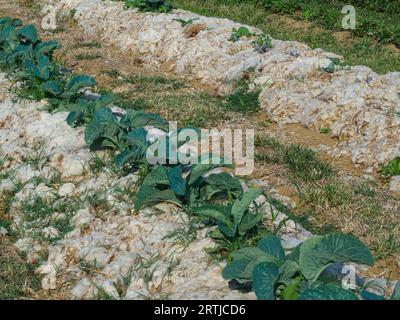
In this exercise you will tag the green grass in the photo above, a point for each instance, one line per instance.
(360, 49)
(332, 195)
(38, 213)
(143, 83)
(170, 98)
(301, 162)
(174, 100)
(88, 45)
(17, 278)
(372, 19)
(391, 169)
(34, 156)
(242, 100)
(82, 57)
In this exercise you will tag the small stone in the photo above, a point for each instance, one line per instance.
(261, 199)
(50, 232)
(49, 282)
(257, 183)
(72, 167)
(82, 217)
(82, 289)
(44, 191)
(6, 185)
(3, 231)
(100, 255)
(395, 184)
(25, 173)
(42, 105)
(66, 189)
(121, 266)
(368, 177)
(289, 242)
(290, 224)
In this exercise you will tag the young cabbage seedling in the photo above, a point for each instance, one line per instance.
(241, 32)
(185, 23)
(262, 43)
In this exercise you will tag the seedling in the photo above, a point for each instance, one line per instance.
(241, 32)
(391, 169)
(185, 23)
(262, 43)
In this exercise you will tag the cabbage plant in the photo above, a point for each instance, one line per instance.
(299, 274)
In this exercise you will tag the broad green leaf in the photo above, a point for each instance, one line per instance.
(216, 234)
(78, 82)
(215, 213)
(249, 221)
(228, 229)
(138, 119)
(199, 170)
(366, 295)
(177, 183)
(84, 110)
(271, 245)
(137, 146)
(242, 31)
(328, 292)
(294, 255)
(149, 195)
(103, 130)
(317, 253)
(235, 270)
(291, 291)
(288, 271)
(45, 48)
(104, 101)
(241, 205)
(157, 176)
(73, 118)
(20, 53)
(9, 36)
(224, 181)
(248, 253)
(208, 191)
(241, 270)
(264, 279)
(29, 32)
(52, 87)
(136, 137)
(249, 257)
(29, 66)
(5, 20)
